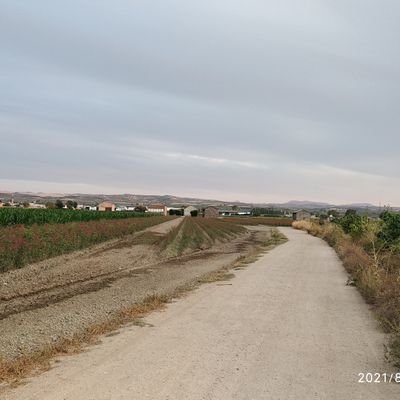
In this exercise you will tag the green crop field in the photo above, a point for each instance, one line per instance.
(21, 216)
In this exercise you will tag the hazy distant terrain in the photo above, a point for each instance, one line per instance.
(170, 200)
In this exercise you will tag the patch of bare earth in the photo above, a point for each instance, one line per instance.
(52, 306)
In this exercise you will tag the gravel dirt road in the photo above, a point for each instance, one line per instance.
(286, 327)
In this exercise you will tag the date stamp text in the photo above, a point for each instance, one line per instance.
(378, 377)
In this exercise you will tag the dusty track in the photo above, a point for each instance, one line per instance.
(43, 303)
(62, 277)
(287, 328)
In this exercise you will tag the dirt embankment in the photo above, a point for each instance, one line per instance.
(49, 301)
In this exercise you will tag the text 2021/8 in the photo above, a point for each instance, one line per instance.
(378, 377)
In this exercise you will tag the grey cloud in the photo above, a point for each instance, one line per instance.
(93, 91)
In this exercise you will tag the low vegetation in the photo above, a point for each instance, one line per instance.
(370, 251)
(199, 233)
(22, 216)
(269, 221)
(23, 244)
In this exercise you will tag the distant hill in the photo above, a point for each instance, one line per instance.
(119, 199)
(312, 205)
(304, 204)
(170, 200)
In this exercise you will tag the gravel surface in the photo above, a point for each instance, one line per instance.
(287, 327)
(62, 277)
(47, 302)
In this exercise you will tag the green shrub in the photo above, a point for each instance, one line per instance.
(353, 224)
(390, 232)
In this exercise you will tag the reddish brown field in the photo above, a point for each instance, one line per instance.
(20, 244)
(269, 221)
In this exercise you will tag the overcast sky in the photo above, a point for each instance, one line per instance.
(260, 101)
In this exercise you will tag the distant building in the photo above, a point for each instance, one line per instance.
(106, 206)
(125, 208)
(157, 209)
(235, 211)
(227, 212)
(245, 211)
(210, 212)
(187, 212)
(87, 208)
(301, 215)
(36, 205)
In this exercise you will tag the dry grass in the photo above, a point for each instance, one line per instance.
(377, 280)
(263, 246)
(216, 276)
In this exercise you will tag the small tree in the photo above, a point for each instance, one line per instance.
(350, 211)
(334, 213)
(175, 212)
(354, 224)
(323, 218)
(59, 204)
(194, 213)
(391, 227)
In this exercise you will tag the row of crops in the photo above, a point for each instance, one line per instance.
(269, 221)
(24, 244)
(199, 233)
(21, 216)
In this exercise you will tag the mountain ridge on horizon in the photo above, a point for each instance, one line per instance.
(128, 198)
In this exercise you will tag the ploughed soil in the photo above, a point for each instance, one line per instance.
(55, 299)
